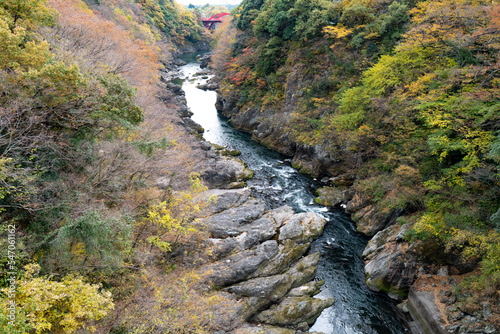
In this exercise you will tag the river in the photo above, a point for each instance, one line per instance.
(357, 310)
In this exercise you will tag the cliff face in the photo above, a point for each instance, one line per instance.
(270, 126)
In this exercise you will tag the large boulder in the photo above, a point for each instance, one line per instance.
(288, 252)
(271, 288)
(226, 172)
(371, 219)
(392, 266)
(178, 62)
(275, 287)
(234, 221)
(176, 89)
(302, 228)
(205, 60)
(293, 311)
(331, 196)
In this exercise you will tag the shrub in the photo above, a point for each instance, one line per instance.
(48, 306)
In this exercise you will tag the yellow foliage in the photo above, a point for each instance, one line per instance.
(430, 226)
(17, 54)
(58, 307)
(364, 130)
(318, 102)
(174, 217)
(472, 245)
(419, 86)
(338, 31)
(174, 303)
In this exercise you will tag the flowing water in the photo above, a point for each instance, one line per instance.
(357, 310)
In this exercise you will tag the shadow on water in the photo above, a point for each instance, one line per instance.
(357, 309)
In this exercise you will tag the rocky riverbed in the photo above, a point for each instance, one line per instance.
(392, 265)
(258, 258)
(257, 254)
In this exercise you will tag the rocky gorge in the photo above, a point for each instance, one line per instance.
(254, 252)
(243, 231)
(393, 264)
(258, 255)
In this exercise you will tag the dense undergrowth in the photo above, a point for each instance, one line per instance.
(404, 94)
(88, 240)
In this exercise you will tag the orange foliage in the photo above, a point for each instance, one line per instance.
(100, 45)
(491, 33)
(224, 36)
(239, 68)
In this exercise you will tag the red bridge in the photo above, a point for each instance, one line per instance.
(211, 22)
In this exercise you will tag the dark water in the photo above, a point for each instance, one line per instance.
(356, 309)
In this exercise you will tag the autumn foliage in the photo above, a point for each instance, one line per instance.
(402, 94)
(100, 45)
(83, 139)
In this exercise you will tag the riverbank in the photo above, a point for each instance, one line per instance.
(256, 254)
(395, 124)
(278, 184)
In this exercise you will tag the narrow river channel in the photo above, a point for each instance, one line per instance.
(356, 309)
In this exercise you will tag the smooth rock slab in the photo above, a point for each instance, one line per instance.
(229, 199)
(304, 270)
(250, 235)
(288, 252)
(309, 289)
(380, 272)
(258, 231)
(235, 221)
(265, 287)
(272, 288)
(422, 307)
(391, 265)
(294, 310)
(377, 244)
(238, 267)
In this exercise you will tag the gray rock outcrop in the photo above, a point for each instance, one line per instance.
(294, 311)
(258, 257)
(390, 266)
(423, 308)
(227, 172)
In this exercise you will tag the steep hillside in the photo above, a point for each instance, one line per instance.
(396, 104)
(98, 182)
